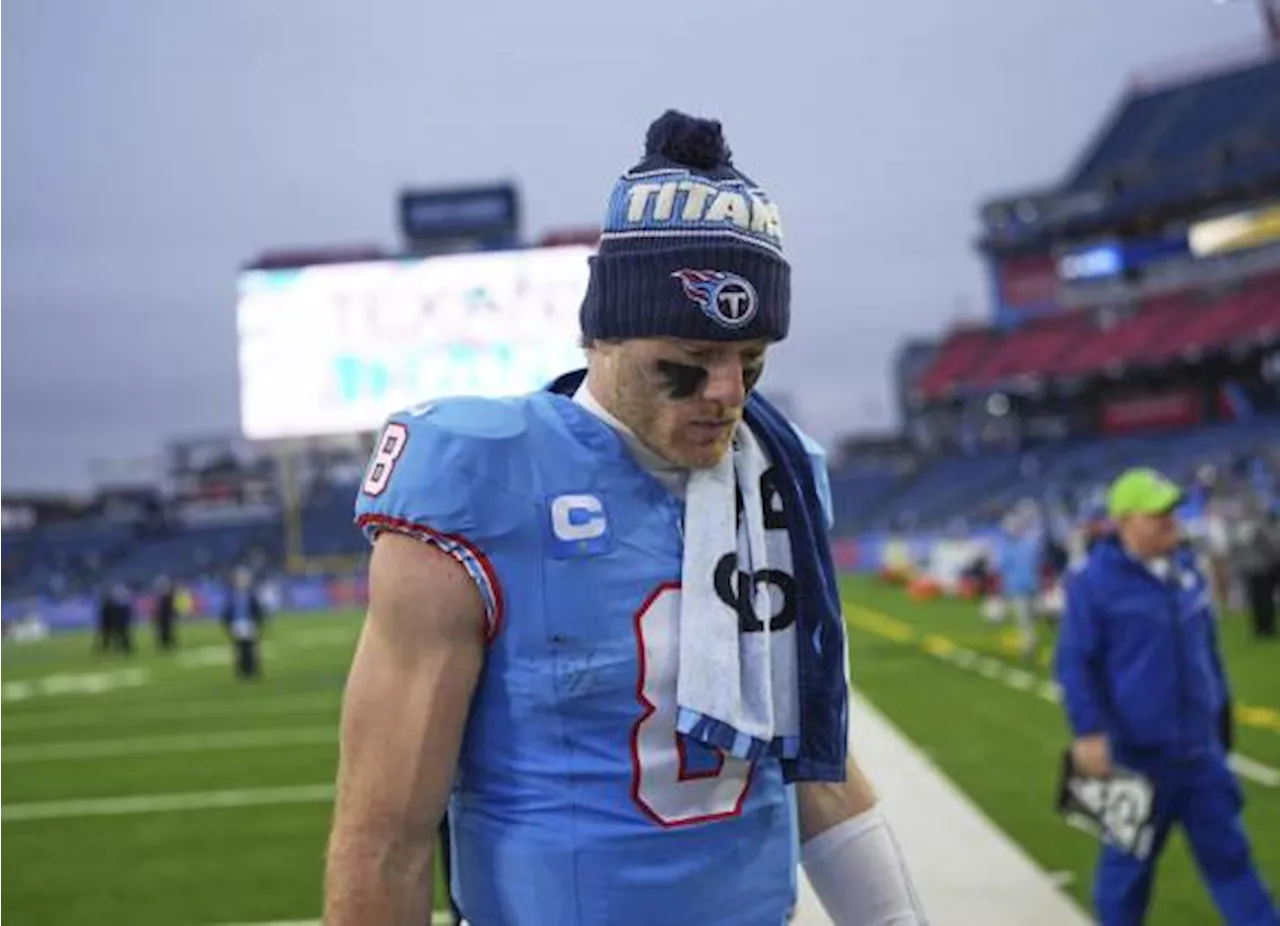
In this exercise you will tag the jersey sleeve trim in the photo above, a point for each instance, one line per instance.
(467, 554)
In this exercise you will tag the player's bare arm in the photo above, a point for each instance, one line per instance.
(403, 717)
(823, 805)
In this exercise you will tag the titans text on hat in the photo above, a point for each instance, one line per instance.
(675, 200)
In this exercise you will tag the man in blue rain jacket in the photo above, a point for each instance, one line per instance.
(1144, 688)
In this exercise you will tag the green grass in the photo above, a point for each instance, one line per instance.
(1002, 745)
(264, 863)
(228, 865)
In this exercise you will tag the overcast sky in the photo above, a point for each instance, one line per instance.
(154, 145)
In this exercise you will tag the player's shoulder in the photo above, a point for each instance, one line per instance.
(461, 426)
(450, 462)
(473, 417)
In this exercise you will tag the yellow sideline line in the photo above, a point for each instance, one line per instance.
(1256, 716)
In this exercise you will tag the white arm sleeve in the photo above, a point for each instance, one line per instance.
(858, 872)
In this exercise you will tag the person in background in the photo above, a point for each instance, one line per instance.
(243, 616)
(104, 617)
(1212, 535)
(1255, 555)
(1019, 567)
(115, 620)
(1144, 688)
(1094, 527)
(164, 614)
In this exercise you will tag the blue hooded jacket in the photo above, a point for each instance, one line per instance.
(1138, 655)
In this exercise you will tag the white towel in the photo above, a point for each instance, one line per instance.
(735, 690)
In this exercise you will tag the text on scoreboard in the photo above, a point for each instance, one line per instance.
(335, 348)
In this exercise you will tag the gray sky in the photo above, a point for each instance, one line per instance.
(154, 145)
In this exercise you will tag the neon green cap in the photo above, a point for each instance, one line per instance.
(1142, 491)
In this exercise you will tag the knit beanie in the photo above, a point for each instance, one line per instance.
(690, 248)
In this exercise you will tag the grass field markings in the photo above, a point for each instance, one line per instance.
(1049, 691)
(882, 624)
(1256, 715)
(180, 710)
(978, 657)
(202, 656)
(78, 683)
(935, 645)
(1255, 771)
(166, 803)
(991, 668)
(1021, 680)
(179, 743)
(220, 655)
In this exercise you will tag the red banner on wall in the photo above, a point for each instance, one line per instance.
(1178, 409)
(1028, 282)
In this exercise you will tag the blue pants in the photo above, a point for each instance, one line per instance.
(1203, 795)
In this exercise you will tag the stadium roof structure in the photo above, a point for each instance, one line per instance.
(1229, 120)
(1162, 146)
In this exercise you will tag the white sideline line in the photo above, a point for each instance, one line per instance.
(82, 717)
(990, 879)
(164, 803)
(1255, 771)
(182, 743)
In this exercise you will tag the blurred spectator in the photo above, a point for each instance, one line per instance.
(115, 620)
(243, 616)
(1255, 554)
(164, 614)
(1019, 568)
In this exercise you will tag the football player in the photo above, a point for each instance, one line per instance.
(628, 689)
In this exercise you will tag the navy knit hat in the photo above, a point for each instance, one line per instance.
(691, 248)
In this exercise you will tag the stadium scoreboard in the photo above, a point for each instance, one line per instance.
(335, 348)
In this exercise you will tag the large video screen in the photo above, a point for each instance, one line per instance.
(335, 348)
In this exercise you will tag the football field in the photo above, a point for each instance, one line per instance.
(156, 789)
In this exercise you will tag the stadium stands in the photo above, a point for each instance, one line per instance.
(1082, 343)
(980, 489)
(84, 556)
(1179, 132)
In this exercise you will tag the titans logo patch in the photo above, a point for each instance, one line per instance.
(726, 298)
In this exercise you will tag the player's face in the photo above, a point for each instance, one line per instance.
(684, 399)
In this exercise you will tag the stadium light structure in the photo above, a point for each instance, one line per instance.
(1270, 10)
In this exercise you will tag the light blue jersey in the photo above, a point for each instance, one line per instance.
(575, 802)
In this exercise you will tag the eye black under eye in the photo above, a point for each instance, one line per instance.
(680, 379)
